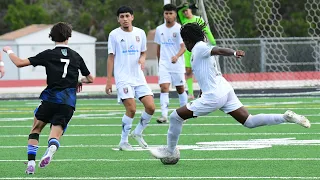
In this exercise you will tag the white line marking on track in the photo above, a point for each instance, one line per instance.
(199, 134)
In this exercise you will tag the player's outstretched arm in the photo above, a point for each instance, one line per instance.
(15, 59)
(227, 52)
(110, 64)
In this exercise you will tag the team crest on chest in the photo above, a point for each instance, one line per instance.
(174, 34)
(125, 90)
(137, 38)
(64, 52)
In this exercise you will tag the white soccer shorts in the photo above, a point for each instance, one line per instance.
(176, 79)
(209, 103)
(127, 91)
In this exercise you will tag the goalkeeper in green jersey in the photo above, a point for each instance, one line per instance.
(185, 16)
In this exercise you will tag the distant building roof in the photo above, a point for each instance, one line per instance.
(24, 31)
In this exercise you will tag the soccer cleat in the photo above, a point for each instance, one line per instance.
(140, 140)
(125, 146)
(31, 167)
(161, 120)
(161, 152)
(292, 117)
(47, 157)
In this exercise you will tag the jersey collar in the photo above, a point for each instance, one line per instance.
(62, 45)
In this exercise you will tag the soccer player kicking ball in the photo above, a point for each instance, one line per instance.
(217, 93)
(170, 51)
(59, 97)
(127, 46)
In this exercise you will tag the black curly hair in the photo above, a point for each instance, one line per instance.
(60, 32)
(193, 32)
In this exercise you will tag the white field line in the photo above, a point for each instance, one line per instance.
(165, 177)
(193, 134)
(137, 148)
(201, 159)
(107, 116)
(150, 125)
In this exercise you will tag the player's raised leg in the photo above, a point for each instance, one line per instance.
(53, 145)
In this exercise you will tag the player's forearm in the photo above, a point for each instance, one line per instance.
(181, 51)
(181, 16)
(87, 79)
(17, 61)
(158, 53)
(143, 55)
(110, 65)
(222, 51)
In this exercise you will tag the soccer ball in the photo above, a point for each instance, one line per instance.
(171, 160)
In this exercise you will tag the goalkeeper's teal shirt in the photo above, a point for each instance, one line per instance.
(194, 18)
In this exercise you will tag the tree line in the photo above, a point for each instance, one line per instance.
(98, 17)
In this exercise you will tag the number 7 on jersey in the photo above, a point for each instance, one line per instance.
(65, 69)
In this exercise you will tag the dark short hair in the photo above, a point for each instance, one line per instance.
(169, 7)
(60, 32)
(124, 9)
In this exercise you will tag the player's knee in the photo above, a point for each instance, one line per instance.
(151, 109)
(249, 123)
(34, 136)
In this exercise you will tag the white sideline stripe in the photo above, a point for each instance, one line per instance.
(195, 177)
(119, 125)
(199, 134)
(201, 159)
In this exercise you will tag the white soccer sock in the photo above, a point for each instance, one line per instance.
(164, 103)
(263, 119)
(126, 127)
(183, 98)
(174, 130)
(144, 121)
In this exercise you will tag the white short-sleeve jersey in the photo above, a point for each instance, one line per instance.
(126, 48)
(170, 40)
(206, 72)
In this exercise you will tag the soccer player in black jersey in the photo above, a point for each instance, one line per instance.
(59, 97)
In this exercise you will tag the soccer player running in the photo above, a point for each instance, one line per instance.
(1, 67)
(127, 46)
(170, 49)
(185, 16)
(217, 93)
(59, 97)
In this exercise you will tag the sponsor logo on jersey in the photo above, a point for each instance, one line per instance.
(131, 50)
(137, 38)
(64, 52)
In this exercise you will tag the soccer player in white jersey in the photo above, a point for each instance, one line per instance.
(217, 93)
(170, 51)
(126, 54)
